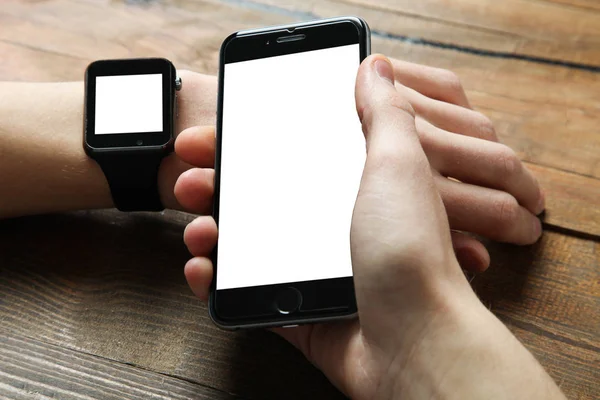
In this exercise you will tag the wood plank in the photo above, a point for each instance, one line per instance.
(25, 63)
(530, 28)
(555, 128)
(111, 284)
(571, 200)
(31, 369)
(585, 4)
(46, 37)
(549, 114)
(552, 351)
(539, 29)
(114, 20)
(384, 22)
(549, 296)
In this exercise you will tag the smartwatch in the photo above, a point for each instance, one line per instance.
(128, 123)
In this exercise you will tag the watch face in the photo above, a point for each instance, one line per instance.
(129, 103)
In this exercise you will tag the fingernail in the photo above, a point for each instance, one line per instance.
(537, 228)
(542, 203)
(385, 71)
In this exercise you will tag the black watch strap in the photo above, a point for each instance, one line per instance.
(132, 177)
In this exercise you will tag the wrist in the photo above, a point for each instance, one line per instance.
(44, 167)
(436, 339)
(462, 351)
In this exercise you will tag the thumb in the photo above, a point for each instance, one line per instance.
(399, 226)
(387, 118)
(397, 189)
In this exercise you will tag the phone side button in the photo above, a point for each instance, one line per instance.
(290, 326)
(288, 300)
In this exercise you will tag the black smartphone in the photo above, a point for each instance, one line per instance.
(289, 159)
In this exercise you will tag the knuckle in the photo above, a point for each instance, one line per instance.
(400, 103)
(507, 212)
(384, 107)
(393, 161)
(451, 81)
(426, 136)
(508, 162)
(485, 127)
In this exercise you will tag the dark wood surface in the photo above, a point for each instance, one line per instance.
(36, 369)
(94, 304)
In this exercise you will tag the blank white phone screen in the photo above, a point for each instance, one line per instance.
(129, 104)
(292, 156)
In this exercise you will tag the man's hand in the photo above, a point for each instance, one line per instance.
(421, 331)
(497, 196)
(490, 192)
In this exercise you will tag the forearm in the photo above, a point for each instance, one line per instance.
(43, 166)
(467, 353)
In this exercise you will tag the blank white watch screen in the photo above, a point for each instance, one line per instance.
(292, 156)
(129, 104)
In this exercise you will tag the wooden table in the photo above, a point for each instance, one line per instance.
(94, 304)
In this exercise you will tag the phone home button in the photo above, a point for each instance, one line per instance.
(288, 300)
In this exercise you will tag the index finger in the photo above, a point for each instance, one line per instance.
(436, 83)
(196, 146)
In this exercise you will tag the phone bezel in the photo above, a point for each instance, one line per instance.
(251, 45)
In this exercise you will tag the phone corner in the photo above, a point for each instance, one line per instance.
(218, 321)
(87, 148)
(169, 147)
(364, 33)
(88, 70)
(228, 40)
(360, 23)
(367, 31)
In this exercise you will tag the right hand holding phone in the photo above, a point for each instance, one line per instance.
(492, 194)
(409, 285)
(421, 330)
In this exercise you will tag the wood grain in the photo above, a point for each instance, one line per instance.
(549, 296)
(571, 200)
(107, 288)
(110, 284)
(31, 368)
(530, 28)
(561, 134)
(548, 114)
(584, 4)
